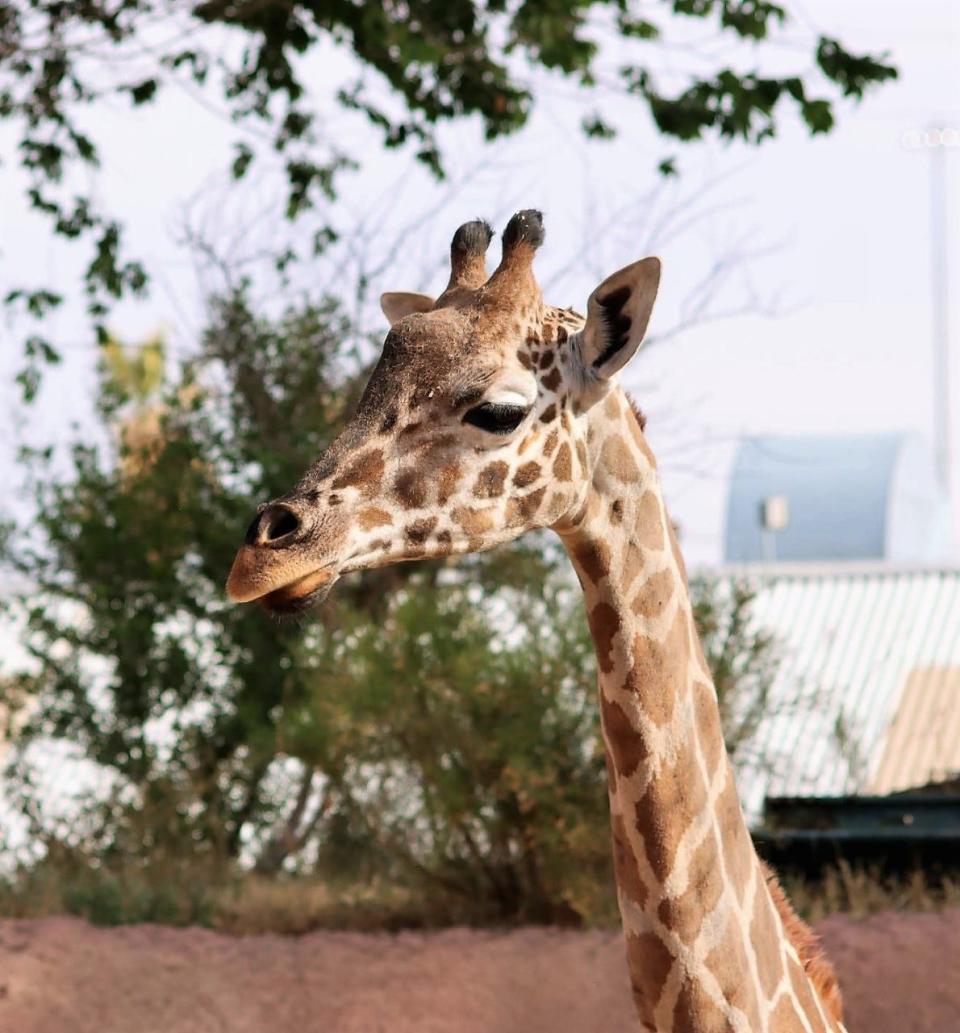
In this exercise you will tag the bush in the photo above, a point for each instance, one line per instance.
(471, 753)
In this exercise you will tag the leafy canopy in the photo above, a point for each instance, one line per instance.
(433, 62)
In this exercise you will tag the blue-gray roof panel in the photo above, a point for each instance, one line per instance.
(837, 488)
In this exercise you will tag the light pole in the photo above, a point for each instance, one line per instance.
(937, 141)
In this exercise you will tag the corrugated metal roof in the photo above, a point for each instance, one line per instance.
(923, 743)
(861, 698)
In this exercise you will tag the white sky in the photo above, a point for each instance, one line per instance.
(837, 227)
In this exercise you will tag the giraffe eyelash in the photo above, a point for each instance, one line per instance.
(496, 417)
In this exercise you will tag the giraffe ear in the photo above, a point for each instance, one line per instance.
(397, 304)
(617, 315)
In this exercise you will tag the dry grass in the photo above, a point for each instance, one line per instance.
(293, 905)
(860, 892)
(255, 904)
(238, 904)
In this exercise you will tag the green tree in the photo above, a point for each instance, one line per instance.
(143, 668)
(420, 64)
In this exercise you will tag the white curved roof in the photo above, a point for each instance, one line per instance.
(849, 497)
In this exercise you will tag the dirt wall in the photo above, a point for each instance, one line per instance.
(900, 974)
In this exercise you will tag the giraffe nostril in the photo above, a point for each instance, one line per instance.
(286, 523)
(275, 524)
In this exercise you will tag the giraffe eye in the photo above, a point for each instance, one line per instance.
(496, 417)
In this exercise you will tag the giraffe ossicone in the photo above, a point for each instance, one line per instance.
(491, 413)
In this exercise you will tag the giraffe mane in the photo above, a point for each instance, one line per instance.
(807, 944)
(638, 413)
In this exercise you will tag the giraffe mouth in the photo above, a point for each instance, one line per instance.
(300, 595)
(279, 585)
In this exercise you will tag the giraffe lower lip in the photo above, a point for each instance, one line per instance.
(302, 594)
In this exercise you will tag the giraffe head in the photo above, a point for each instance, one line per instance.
(475, 425)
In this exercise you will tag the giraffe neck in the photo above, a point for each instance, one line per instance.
(707, 948)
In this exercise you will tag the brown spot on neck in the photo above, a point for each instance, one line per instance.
(527, 474)
(627, 747)
(728, 963)
(684, 914)
(649, 526)
(593, 559)
(625, 865)
(562, 465)
(660, 672)
(522, 509)
(618, 461)
(604, 625)
(670, 804)
(650, 961)
(695, 1012)
(654, 595)
(611, 407)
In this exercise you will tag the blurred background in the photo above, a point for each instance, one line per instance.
(200, 205)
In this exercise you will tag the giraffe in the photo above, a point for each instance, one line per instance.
(489, 414)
